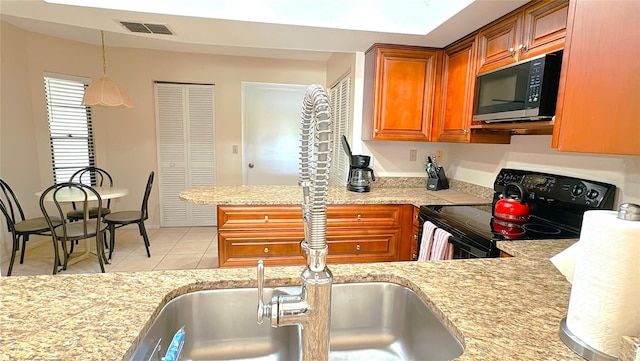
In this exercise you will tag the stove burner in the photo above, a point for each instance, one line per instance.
(542, 228)
(478, 225)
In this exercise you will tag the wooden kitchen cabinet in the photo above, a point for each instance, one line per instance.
(362, 233)
(598, 109)
(457, 90)
(536, 29)
(399, 92)
(454, 108)
(415, 232)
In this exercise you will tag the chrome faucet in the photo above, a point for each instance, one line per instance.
(311, 308)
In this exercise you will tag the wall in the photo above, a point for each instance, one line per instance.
(125, 138)
(479, 164)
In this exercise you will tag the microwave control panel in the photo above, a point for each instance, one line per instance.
(535, 81)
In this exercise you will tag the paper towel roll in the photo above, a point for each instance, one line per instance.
(605, 295)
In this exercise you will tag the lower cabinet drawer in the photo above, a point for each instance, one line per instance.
(248, 218)
(239, 249)
(378, 245)
(246, 248)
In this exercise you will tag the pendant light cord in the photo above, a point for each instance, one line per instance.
(104, 57)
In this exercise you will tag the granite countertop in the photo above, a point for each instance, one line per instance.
(499, 308)
(287, 195)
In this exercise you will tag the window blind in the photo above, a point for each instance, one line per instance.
(340, 101)
(70, 130)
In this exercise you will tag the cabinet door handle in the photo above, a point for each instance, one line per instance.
(414, 256)
(522, 47)
(357, 247)
(512, 51)
(465, 131)
(359, 216)
(266, 250)
(415, 236)
(375, 131)
(266, 218)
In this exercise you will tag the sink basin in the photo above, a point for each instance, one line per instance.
(369, 321)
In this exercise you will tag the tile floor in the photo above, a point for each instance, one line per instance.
(171, 248)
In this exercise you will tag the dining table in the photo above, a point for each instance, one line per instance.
(76, 195)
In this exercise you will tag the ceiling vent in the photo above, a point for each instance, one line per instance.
(146, 28)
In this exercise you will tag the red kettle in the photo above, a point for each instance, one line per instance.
(513, 209)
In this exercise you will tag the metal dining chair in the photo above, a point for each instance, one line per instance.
(87, 176)
(19, 226)
(85, 228)
(122, 218)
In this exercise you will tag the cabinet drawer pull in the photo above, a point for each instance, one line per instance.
(357, 247)
(266, 250)
(266, 218)
(359, 216)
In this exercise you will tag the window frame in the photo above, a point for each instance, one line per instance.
(66, 114)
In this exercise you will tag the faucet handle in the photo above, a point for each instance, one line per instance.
(260, 287)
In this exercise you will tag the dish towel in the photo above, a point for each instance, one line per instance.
(441, 248)
(425, 242)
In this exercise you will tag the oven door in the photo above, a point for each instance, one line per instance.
(464, 245)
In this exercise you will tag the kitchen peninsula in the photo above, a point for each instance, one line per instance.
(265, 222)
(500, 308)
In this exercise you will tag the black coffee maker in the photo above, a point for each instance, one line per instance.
(360, 175)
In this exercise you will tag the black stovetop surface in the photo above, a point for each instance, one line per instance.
(478, 220)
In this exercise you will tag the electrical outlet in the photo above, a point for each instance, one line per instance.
(413, 155)
(439, 156)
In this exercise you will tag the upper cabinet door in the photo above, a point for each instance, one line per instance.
(598, 101)
(545, 26)
(498, 43)
(453, 118)
(399, 92)
(538, 28)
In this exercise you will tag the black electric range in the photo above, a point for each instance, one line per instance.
(557, 205)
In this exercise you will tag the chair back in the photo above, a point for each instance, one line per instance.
(83, 194)
(92, 176)
(145, 199)
(11, 224)
(11, 209)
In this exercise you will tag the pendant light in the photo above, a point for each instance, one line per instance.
(105, 91)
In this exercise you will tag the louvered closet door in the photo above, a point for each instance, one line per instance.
(340, 101)
(185, 123)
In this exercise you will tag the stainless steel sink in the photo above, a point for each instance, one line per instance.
(369, 321)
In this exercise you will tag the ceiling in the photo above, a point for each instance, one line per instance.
(228, 37)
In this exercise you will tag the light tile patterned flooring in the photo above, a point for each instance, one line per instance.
(171, 248)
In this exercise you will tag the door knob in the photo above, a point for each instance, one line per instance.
(250, 165)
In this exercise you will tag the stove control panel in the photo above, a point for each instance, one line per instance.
(558, 189)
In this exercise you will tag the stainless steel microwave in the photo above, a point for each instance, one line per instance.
(527, 90)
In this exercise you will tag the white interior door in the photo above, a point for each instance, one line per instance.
(271, 133)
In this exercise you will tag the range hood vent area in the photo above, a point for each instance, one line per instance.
(146, 28)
